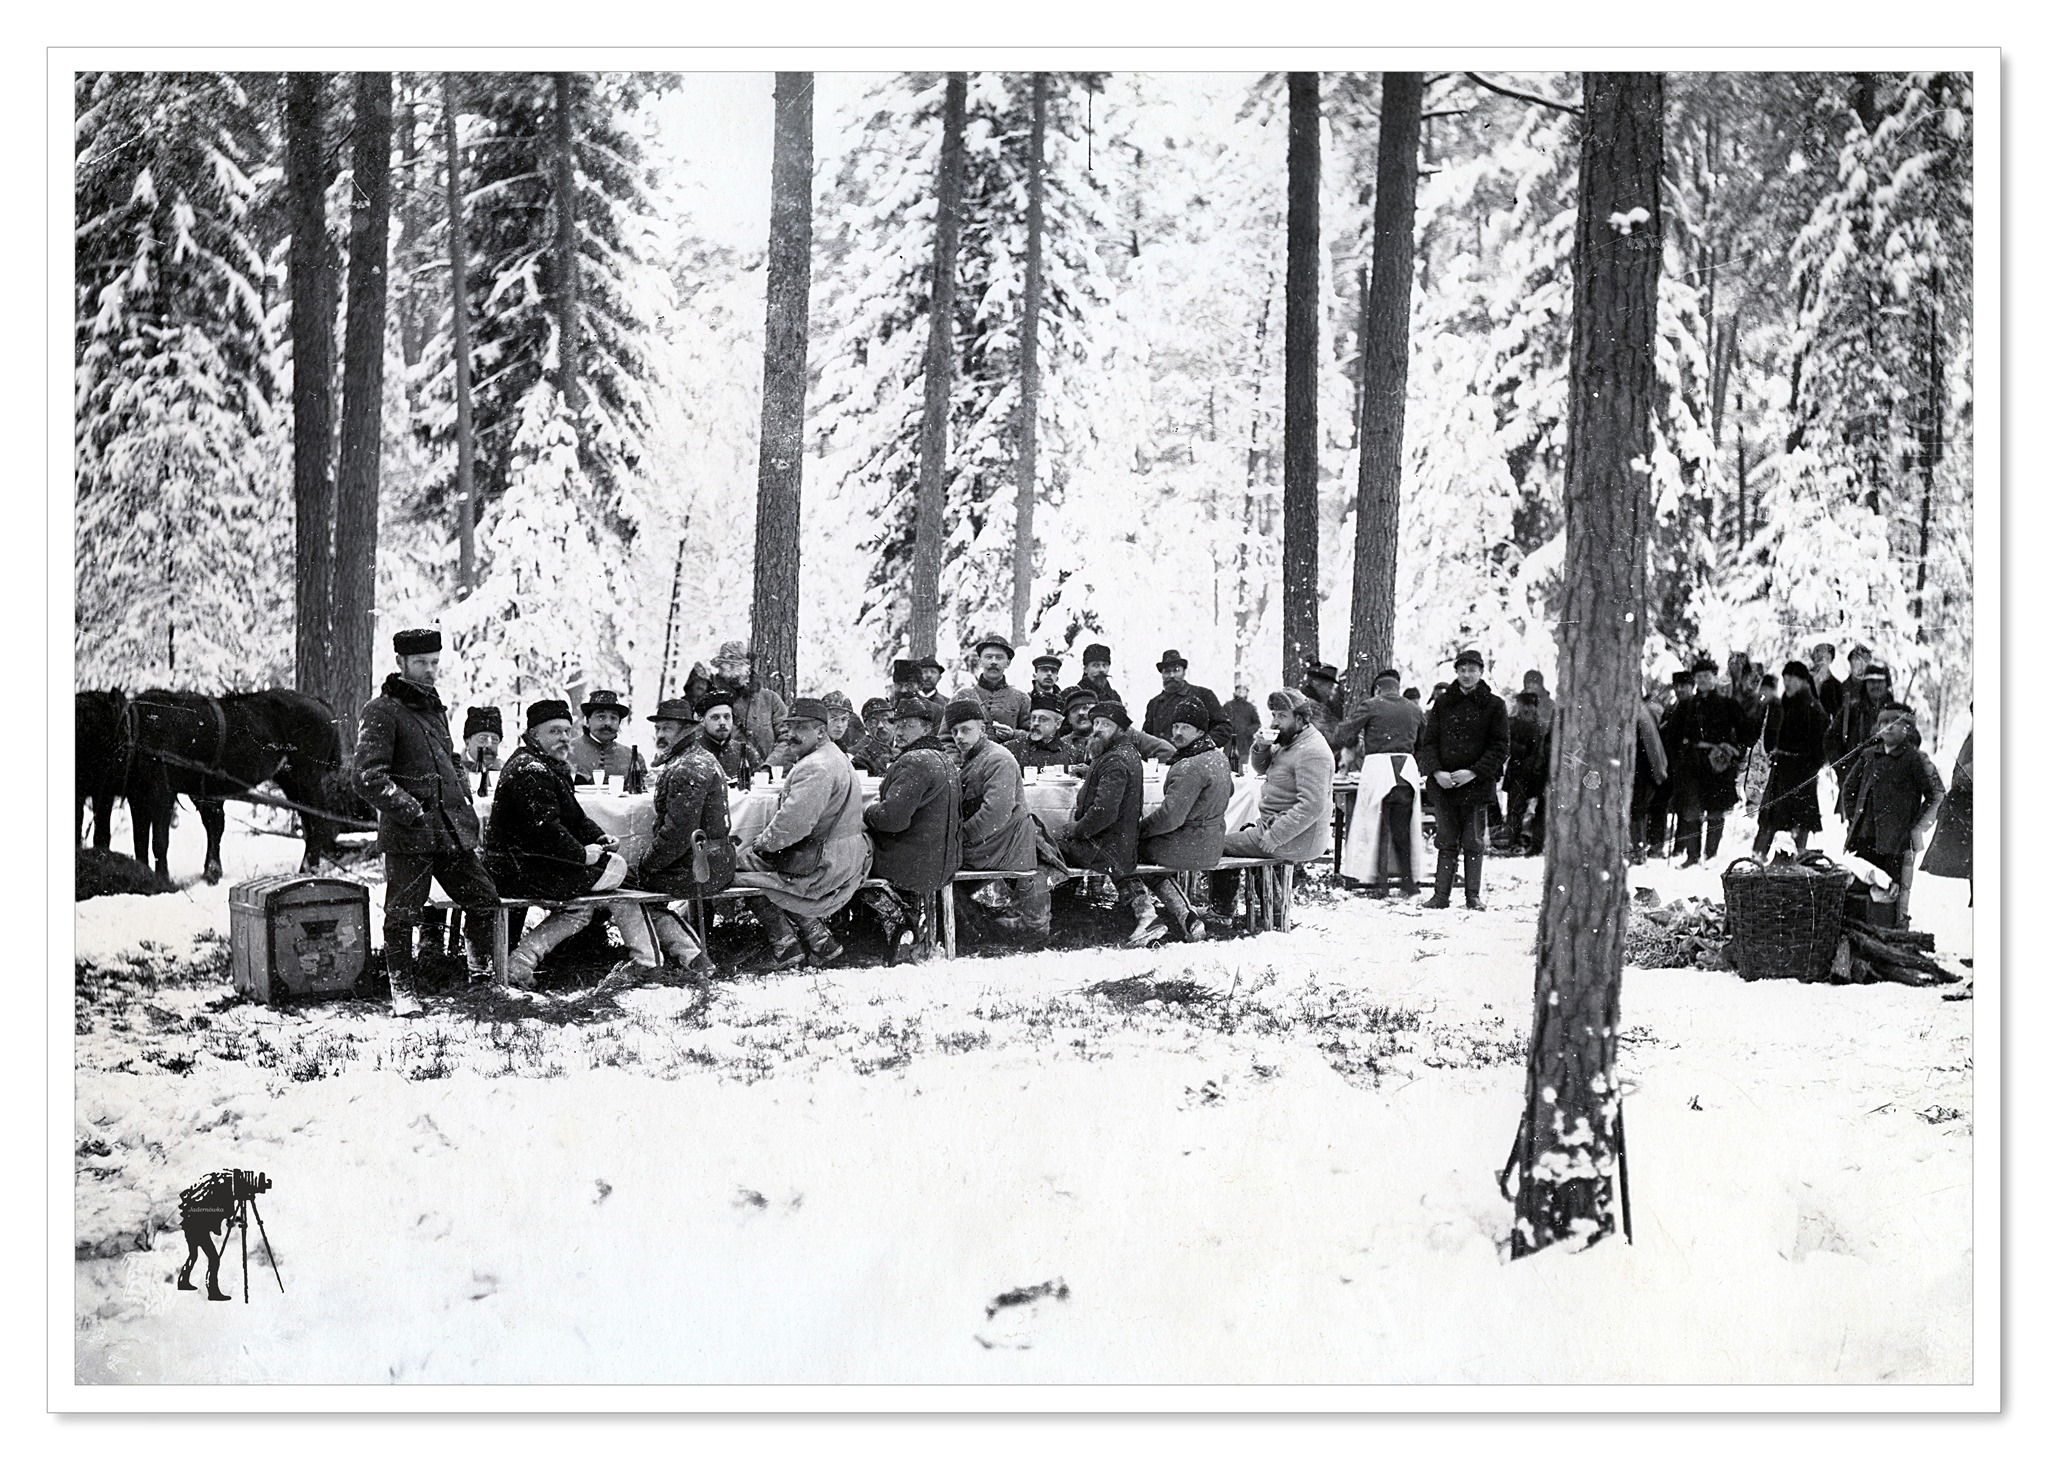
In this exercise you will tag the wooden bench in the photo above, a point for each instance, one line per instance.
(501, 951)
(1267, 894)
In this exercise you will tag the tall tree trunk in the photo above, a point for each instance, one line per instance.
(1251, 478)
(1568, 1145)
(362, 402)
(458, 308)
(413, 203)
(778, 501)
(568, 302)
(1027, 406)
(929, 544)
(1930, 454)
(309, 173)
(1300, 555)
(1384, 381)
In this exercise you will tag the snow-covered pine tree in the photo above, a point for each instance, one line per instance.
(183, 478)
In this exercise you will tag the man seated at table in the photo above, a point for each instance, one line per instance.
(483, 732)
(719, 735)
(1294, 802)
(1043, 746)
(996, 833)
(811, 857)
(756, 709)
(541, 844)
(1383, 839)
(690, 852)
(1185, 831)
(1079, 736)
(844, 729)
(914, 822)
(598, 754)
(1103, 835)
(877, 746)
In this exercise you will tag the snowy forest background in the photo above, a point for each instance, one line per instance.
(1813, 460)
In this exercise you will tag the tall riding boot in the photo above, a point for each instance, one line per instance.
(641, 957)
(818, 941)
(1473, 861)
(1446, 863)
(1149, 929)
(679, 943)
(1715, 820)
(784, 951)
(899, 922)
(398, 968)
(1179, 913)
(553, 930)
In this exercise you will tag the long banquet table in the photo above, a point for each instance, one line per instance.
(1049, 797)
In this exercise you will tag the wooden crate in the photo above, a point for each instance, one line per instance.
(298, 937)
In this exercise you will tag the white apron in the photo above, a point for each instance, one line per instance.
(1377, 775)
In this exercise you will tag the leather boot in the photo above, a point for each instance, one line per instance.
(1150, 929)
(1473, 860)
(899, 922)
(784, 951)
(553, 930)
(679, 944)
(398, 968)
(1179, 913)
(1446, 871)
(818, 941)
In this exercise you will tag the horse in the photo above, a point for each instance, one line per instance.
(211, 749)
(102, 770)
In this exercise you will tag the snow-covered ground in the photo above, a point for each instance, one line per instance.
(833, 1177)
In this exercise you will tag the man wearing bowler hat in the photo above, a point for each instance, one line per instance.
(426, 823)
(1173, 679)
(598, 754)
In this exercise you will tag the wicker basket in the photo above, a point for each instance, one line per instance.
(1784, 919)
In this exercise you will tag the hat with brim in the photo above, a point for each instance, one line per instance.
(541, 711)
(996, 641)
(917, 707)
(1706, 664)
(680, 712)
(606, 699)
(1046, 661)
(1323, 671)
(1877, 669)
(408, 642)
(1080, 694)
(930, 661)
(836, 700)
(1113, 712)
(1383, 676)
(1170, 660)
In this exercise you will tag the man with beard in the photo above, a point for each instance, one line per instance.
(1174, 687)
(810, 858)
(1185, 831)
(914, 822)
(1004, 709)
(543, 845)
(1095, 675)
(1045, 684)
(426, 822)
(1080, 733)
(1712, 733)
(874, 750)
(1794, 736)
(690, 855)
(1383, 839)
(598, 754)
(756, 709)
(1461, 751)
(1043, 747)
(1103, 835)
(1325, 701)
(719, 735)
(929, 672)
(996, 832)
(1294, 800)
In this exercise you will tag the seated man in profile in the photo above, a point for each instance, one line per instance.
(997, 834)
(914, 823)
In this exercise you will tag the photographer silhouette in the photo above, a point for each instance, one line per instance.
(224, 1197)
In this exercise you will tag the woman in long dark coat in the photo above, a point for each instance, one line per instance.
(1794, 737)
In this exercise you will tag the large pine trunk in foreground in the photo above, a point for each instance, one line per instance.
(568, 299)
(1301, 548)
(1383, 381)
(778, 502)
(1567, 1149)
(458, 313)
(362, 404)
(309, 172)
(927, 548)
(1026, 540)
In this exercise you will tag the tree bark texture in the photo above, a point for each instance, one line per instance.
(309, 172)
(1300, 554)
(362, 402)
(928, 546)
(1383, 381)
(458, 308)
(1023, 549)
(778, 502)
(568, 303)
(1568, 1145)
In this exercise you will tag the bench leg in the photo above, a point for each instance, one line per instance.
(501, 939)
(946, 911)
(1287, 897)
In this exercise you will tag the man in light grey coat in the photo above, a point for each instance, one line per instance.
(996, 830)
(812, 856)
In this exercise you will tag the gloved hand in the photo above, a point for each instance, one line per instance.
(591, 853)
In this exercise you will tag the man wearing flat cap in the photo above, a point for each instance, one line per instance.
(1095, 674)
(1078, 737)
(1045, 684)
(598, 755)
(876, 747)
(756, 708)
(426, 822)
(1174, 687)
(811, 857)
(1103, 835)
(914, 822)
(1005, 710)
(1462, 750)
(690, 854)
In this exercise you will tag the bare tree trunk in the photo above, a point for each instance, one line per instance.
(458, 308)
(568, 303)
(1930, 454)
(362, 403)
(411, 203)
(1251, 477)
(778, 500)
(1027, 406)
(1568, 1145)
(1384, 382)
(1300, 556)
(309, 172)
(929, 544)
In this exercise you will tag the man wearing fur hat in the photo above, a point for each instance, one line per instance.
(542, 844)
(1462, 750)
(598, 754)
(690, 854)
(996, 831)
(756, 709)
(1004, 709)
(811, 857)
(483, 731)
(1103, 835)
(1095, 675)
(914, 822)
(426, 822)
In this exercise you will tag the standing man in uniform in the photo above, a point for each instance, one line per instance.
(426, 823)
(1006, 711)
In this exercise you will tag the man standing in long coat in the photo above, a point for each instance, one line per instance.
(1462, 750)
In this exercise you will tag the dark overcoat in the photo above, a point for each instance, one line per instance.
(534, 846)
(1949, 854)
(406, 765)
(1110, 805)
(914, 820)
(689, 797)
(1795, 731)
(1887, 794)
(995, 827)
(1464, 732)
